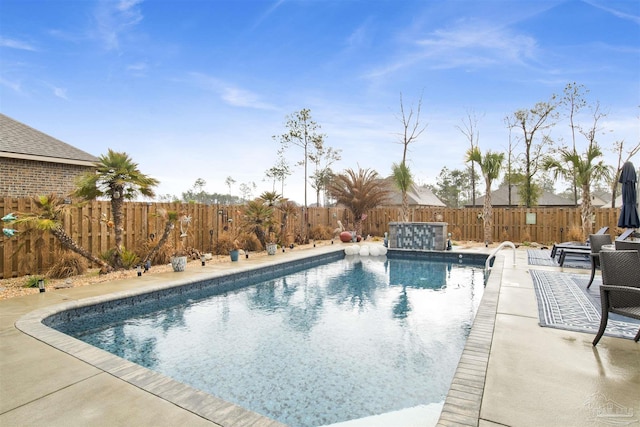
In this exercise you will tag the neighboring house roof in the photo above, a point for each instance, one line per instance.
(19, 141)
(500, 198)
(417, 196)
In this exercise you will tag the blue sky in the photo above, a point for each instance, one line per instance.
(197, 89)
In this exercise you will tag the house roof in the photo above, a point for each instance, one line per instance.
(417, 196)
(500, 197)
(20, 141)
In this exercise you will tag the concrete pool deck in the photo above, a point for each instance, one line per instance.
(534, 376)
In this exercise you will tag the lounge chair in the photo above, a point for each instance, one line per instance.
(620, 289)
(596, 241)
(574, 245)
(628, 232)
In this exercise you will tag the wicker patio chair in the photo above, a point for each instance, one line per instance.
(620, 289)
(626, 245)
(597, 241)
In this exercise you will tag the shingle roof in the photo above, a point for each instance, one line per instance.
(18, 140)
(417, 196)
(500, 197)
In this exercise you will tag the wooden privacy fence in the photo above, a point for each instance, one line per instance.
(89, 226)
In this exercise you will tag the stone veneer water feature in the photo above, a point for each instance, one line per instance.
(418, 235)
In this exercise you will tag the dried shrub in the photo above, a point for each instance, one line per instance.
(163, 256)
(575, 234)
(321, 232)
(250, 242)
(526, 237)
(505, 236)
(224, 244)
(67, 264)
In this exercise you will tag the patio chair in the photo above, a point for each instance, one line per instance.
(589, 251)
(628, 245)
(575, 245)
(597, 241)
(620, 290)
(628, 232)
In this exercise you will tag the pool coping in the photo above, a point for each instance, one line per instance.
(464, 399)
(462, 404)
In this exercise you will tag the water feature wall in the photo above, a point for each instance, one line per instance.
(418, 235)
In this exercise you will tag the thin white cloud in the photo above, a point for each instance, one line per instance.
(230, 93)
(16, 44)
(138, 69)
(467, 45)
(14, 86)
(115, 19)
(617, 13)
(60, 93)
(268, 12)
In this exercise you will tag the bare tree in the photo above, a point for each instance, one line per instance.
(574, 100)
(411, 131)
(532, 122)
(469, 129)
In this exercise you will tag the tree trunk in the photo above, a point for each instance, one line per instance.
(586, 211)
(66, 241)
(405, 207)
(165, 236)
(116, 211)
(487, 216)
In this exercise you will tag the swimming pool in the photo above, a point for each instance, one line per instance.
(312, 348)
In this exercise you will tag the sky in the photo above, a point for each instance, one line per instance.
(197, 89)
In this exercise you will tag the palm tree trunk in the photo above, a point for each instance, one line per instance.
(586, 211)
(405, 207)
(66, 241)
(165, 236)
(116, 208)
(487, 214)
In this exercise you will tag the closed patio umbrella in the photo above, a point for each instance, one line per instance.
(629, 211)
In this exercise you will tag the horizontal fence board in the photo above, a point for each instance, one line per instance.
(89, 225)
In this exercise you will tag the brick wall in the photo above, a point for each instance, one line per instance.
(27, 178)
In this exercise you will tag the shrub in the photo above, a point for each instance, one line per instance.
(223, 245)
(67, 264)
(250, 242)
(575, 234)
(129, 258)
(32, 281)
(321, 232)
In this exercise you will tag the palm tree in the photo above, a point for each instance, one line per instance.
(48, 218)
(359, 192)
(270, 198)
(257, 215)
(490, 165)
(118, 178)
(287, 208)
(403, 180)
(583, 170)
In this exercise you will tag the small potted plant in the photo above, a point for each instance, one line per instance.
(233, 253)
(179, 258)
(272, 246)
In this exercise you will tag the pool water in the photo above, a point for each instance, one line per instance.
(341, 341)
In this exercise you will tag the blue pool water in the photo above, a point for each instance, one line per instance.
(340, 341)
